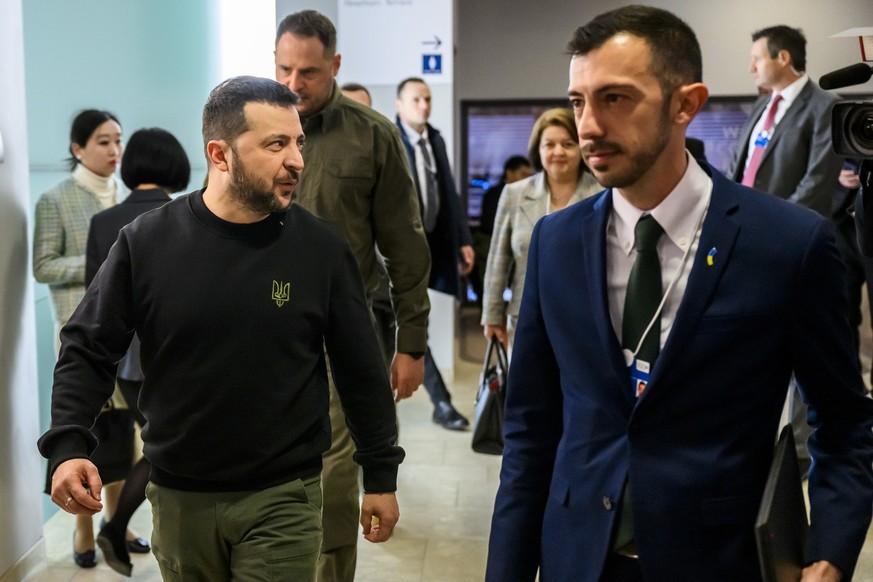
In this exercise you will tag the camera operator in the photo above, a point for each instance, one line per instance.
(859, 268)
(852, 138)
(852, 134)
(864, 208)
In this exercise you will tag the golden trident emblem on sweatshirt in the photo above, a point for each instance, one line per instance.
(281, 292)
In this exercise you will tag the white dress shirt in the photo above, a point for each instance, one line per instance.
(420, 166)
(681, 216)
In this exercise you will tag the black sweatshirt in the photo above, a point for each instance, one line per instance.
(234, 320)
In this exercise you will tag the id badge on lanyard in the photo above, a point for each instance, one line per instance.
(639, 374)
(639, 371)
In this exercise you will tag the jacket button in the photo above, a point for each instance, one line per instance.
(607, 503)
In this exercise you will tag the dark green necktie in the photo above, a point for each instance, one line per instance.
(644, 292)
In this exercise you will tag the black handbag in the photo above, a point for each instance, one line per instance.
(488, 419)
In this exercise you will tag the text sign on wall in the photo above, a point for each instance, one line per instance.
(384, 41)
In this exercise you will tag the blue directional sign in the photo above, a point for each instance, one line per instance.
(431, 64)
(406, 37)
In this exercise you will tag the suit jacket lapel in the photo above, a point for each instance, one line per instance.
(719, 232)
(593, 231)
(532, 204)
(787, 124)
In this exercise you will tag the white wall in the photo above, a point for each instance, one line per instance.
(20, 475)
(515, 48)
(383, 96)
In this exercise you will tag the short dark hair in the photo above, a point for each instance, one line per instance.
(513, 163)
(558, 117)
(407, 81)
(154, 156)
(785, 38)
(85, 123)
(676, 58)
(355, 87)
(224, 115)
(308, 24)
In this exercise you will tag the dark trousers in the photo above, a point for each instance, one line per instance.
(268, 534)
(433, 381)
(386, 327)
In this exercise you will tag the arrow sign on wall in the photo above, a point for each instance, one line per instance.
(436, 42)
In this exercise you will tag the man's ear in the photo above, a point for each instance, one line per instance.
(784, 58)
(691, 99)
(217, 154)
(337, 61)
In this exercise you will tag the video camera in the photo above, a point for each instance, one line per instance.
(851, 121)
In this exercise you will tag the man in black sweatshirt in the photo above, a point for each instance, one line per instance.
(234, 293)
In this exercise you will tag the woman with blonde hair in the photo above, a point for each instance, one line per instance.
(561, 179)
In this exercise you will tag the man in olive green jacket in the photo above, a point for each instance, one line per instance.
(357, 178)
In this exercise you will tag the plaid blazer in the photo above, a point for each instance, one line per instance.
(60, 237)
(521, 205)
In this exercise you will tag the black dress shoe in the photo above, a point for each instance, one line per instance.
(134, 546)
(86, 559)
(138, 546)
(445, 415)
(114, 548)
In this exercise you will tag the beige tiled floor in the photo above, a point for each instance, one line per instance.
(445, 492)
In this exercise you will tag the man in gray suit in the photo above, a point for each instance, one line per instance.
(792, 158)
(786, 147)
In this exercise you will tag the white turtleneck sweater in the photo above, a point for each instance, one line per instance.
(104, 187)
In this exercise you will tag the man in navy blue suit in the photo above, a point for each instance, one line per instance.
(646, 458)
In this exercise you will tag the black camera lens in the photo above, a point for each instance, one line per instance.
(852, 129)
(859, 129)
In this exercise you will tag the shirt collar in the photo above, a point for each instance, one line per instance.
(324, 116)
(411, 134)
(678, 214)
(789, 93)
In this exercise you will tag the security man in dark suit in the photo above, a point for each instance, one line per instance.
(448, 235)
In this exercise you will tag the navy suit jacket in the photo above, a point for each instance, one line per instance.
(799, 163)
(698, 443)
(102, 234)
(451, 231)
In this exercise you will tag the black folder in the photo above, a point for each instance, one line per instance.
(782, 524)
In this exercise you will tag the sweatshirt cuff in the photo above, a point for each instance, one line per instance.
(72, 446)
(380, 479)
